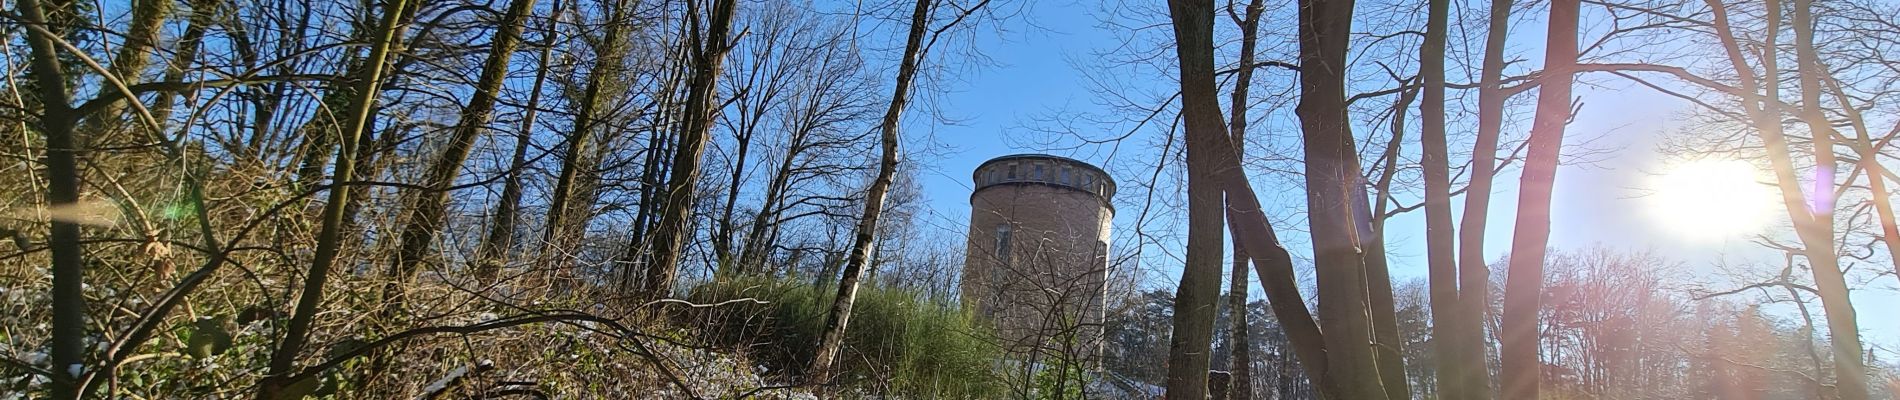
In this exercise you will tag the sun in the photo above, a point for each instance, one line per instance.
(1710, 199)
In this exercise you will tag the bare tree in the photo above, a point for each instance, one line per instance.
(571, 204)
(429, 205)
(494, 248)
(860, 251)
(1238, 341)
(1336, 204)
(1474, 285)
(1194, 302)
(1522, 368)
(1761, 103)
(1442, 267)
(708, 53)
(284, 357)
(62, 194)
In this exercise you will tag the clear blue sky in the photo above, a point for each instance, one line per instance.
(1037, 69)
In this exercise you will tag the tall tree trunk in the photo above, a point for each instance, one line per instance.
(493, 251)
(1239, 342)
(1843, 330)
(1474, 277)
(1523, 292)
(430, 205)
(832, 339)
(708, 55)
(1338, 222)
(570, 207)
(129, 62)
(283, 358)
(1189, 346)
(68, 352)
(1441, 257)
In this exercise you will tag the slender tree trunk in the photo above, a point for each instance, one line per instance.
(68, 353)
(1523, 292)
(569, 208)
(652, 171)
(283, 358)
(430, 206)
(832, 339)
(1474, 277)
(1843, 330)
(1239, 342)
(1388, 347)
(493, 251)
(1385, 325)
(722, 238)
(708, 55)
(1441, 257)
(575, 187)
(755, 244)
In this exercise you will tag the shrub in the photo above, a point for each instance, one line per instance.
(897, 344)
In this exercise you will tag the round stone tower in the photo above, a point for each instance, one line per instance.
(1036, 262)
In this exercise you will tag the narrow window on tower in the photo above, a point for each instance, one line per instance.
(1012, 170)
(1002, 242)
(1064, 179)
(1101, 254)
(1038, 174)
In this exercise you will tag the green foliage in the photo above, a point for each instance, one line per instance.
(1061, 382)
(896, 343)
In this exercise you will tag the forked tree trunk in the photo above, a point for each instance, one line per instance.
(1866, 147)
(1338, 221)
(185, 53)
(129, 62)
(1523, 369)
(1385, 325)
(283, 358)
(1248, 223)
(708, 55)
(832, 339)
(1761, 104)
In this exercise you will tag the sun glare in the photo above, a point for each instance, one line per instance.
(1710, 199)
